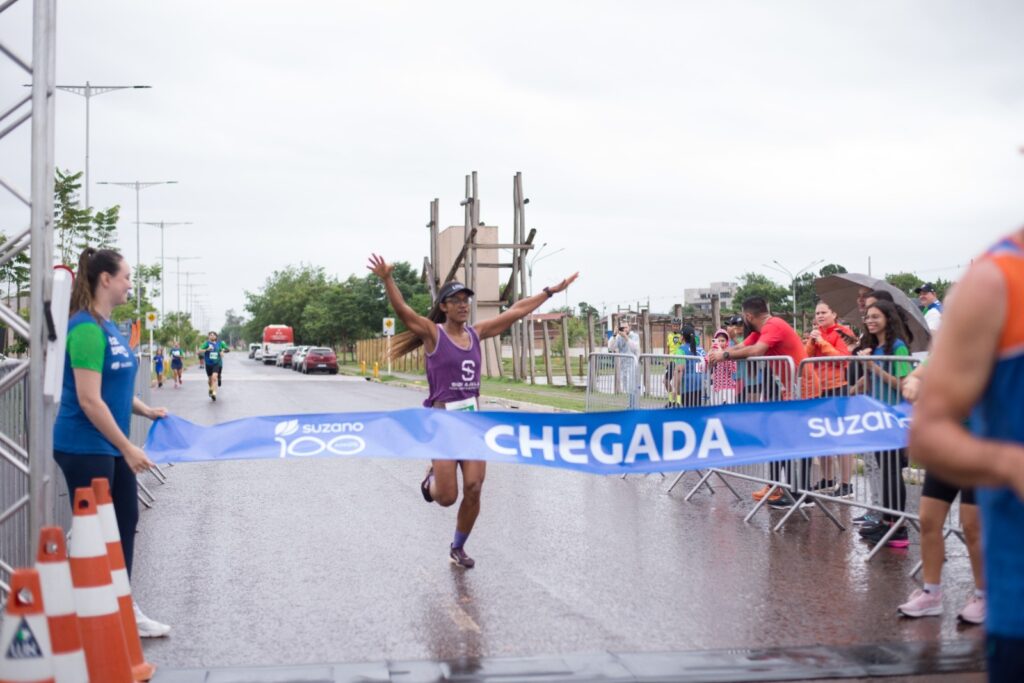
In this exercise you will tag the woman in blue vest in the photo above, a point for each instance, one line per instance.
(90, 436)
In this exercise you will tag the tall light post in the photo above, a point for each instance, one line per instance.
(138, 186)
(88, 91)
(163, 267)
(179, 259)
(782, 269)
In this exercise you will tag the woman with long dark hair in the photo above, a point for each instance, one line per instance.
(453, 373)
(689, 376)
(885, 336)
(90, 436)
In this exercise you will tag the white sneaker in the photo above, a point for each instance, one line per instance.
(149, 628)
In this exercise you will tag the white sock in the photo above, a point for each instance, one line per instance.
(933, 588)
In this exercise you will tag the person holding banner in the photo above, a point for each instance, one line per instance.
(453, 358)
(90, 435)
(976, 371)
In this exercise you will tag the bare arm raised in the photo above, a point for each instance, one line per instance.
(422, 327)
(522, 308)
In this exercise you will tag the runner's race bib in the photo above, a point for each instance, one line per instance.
(465, 405)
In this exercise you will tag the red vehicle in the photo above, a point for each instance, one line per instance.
(318, 359)
(276, 338)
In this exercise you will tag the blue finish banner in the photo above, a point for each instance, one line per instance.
(634, 441)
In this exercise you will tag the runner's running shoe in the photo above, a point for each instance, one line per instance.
(921, 604)
(973, 612)
(458, 556)
(425, 485)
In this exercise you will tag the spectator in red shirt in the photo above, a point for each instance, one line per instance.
(773, 336)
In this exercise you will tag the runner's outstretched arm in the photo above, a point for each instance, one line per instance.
(419, 325)
(520, 309)
(959, 369)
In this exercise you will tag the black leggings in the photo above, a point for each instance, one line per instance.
(790, 466)
(894, 491)
(79, 470)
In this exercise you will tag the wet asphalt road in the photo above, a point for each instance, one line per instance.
(296, 562)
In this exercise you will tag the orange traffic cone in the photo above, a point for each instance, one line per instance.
(55, 578)
(24, 636)
(141, 669)
(106, 654)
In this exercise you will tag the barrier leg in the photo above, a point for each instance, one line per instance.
(761, 503)
(828, 513)
(149, 494)
(703, 482)
(885, 539)
(796, 507)
(721, 478)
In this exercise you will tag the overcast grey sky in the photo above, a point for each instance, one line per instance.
(663, 144)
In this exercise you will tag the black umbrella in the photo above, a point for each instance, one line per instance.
(840, 292)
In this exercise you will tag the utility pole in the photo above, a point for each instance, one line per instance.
(163, 267)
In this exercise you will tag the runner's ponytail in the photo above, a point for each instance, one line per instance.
(408, 341)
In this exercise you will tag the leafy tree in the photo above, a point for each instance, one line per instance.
(906, 282)
(832, 269)
(178, 325)
(586, 309)
(577, 331)
(78, 227)
(232, 332)
(756, 284)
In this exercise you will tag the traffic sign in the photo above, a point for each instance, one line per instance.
(152, 320)
(389, 327)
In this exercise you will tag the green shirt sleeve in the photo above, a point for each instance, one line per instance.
(87, 345)
(901, 369)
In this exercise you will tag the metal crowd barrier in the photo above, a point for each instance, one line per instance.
(612, 382)
(874, 483)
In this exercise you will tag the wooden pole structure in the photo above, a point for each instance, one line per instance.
(547, 351)
(565, 351)
(716, 312)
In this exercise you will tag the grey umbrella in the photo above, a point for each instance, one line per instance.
(840, 292)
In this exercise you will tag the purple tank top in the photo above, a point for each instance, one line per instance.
(453, 373)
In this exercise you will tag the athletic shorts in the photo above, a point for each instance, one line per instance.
(940, 490)
(210, 369)
(177, 365)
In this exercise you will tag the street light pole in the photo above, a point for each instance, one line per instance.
(782, 269)
(88, 91)
(163, 267)
(179, 259)
(138, 186)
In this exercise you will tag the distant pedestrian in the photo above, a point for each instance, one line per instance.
(930, 305)
(177, 363)
(158, 366)
(724, 381)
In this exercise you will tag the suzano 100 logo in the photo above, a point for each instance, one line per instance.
(336, 438)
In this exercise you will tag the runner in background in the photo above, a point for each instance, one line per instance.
(158, 366)
(213, 352)
(976, 371)
(453, 358)
(177, 363)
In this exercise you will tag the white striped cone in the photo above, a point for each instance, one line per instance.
(55, 575)
(25, 654)
(141, 669)
(106, 654)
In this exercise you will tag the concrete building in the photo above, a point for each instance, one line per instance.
(700, 297)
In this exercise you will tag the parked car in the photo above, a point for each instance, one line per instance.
(284, 359)
(320, 358)
(258, 355)
(300, 352)
(252, 350)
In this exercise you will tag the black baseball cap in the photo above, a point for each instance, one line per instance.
(734, 320)
(926, 288)
(451, 289)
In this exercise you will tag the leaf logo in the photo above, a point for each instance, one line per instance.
(286, 428)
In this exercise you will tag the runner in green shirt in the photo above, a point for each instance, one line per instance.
(213, 352)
